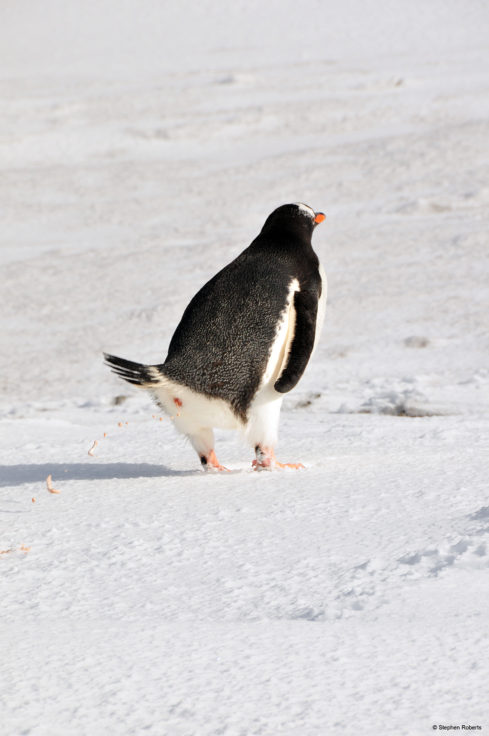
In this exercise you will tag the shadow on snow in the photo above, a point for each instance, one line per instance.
(16, 475)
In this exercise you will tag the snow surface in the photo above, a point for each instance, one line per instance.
(142, 147)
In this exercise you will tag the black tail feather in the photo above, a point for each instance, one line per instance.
(135, 373)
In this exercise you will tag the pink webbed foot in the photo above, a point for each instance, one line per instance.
(210, 462)
(266, 460)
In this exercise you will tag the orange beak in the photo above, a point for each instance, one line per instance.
(319, 217)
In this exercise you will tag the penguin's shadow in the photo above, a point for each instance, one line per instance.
(16, 475)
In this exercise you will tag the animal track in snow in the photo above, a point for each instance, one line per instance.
(468, 550)
(464, 553)
(369, 585)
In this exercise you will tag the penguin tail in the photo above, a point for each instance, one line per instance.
(146, 376)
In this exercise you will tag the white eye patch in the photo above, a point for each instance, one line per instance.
(306, 208)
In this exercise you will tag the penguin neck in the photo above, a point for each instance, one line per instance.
(285, 234)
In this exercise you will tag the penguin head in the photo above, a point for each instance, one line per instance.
(295, 218)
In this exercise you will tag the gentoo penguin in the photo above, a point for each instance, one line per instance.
(243, 341)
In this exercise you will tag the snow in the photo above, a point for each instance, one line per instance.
(142, 148)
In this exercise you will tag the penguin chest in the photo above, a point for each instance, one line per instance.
(281, 345)
(321, 305)
(284, 338)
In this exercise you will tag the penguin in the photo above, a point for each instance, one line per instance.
(243, 342)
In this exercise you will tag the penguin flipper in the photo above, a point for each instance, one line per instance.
(306, 308)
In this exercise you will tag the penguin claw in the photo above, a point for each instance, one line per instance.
(294, 466)
(275, 464)
(266, 460)
(216, 468)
